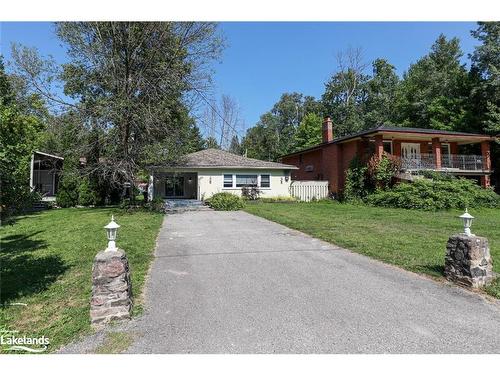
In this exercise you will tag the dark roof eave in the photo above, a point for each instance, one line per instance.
(153, 167)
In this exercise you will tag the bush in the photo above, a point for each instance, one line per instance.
(250, 192)
(355, 187)
(67, 196)
(435, 195)
(86, 195)
(225, 202)
(381, 171)
(156, 205)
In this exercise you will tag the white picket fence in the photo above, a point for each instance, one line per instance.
(309, 190)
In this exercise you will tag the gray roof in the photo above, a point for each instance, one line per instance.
(213, 158)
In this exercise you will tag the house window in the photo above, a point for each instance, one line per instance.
(445, 149)
(388, 147)
(228, 180)
(265, 180)
(246, 180)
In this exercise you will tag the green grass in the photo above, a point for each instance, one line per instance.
(114, 343)
(411, 239)
(46, 263)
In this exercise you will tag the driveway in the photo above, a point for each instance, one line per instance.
(230, 282)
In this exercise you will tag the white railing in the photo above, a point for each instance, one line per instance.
(448, 162)
(309, 190)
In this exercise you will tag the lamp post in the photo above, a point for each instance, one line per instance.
(467, 219)
(111, 231)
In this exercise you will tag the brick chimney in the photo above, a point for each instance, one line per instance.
(327, 130)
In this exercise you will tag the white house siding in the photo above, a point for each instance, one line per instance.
(211, 181)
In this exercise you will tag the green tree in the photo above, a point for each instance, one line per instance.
(235, 146)
(211, 142)
(434, 91)
(309, 132)
(19, 136)
(381, 95)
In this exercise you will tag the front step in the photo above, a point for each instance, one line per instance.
(181, 205)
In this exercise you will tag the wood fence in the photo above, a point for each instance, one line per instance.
(309, 190)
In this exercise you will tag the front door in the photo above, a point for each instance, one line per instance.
(174, 186)
(410, 153)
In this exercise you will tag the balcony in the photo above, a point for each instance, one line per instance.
(449, 163)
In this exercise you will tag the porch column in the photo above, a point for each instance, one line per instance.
(486, 154)
(379, 146)
(32, 172)
(436, 151)
(396, 148)
(151, 187)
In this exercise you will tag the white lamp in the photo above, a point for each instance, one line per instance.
(467, 219)
(111, 231)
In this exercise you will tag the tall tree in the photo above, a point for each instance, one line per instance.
(434, 91)
(309, 132)
(235, 146)
(128, 81)
(346, 92)
(381, 95)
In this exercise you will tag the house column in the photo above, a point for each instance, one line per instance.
(436, 152)
(486, 154)
(32, 172)
(379, 146)
(396, 148)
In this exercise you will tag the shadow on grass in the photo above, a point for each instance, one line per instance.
(431, 269)
(22, 272)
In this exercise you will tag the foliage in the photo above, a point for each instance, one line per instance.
(156, 205)
(274, 134)
(250, 192)
(86, 194)
(19, 137)
(355, 186)
(67, 195)
(46, 263)
(435, 195)
(383, 233)
(381, 171)
(225, 202)
(309, 131)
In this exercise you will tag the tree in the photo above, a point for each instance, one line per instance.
(381, 94)
(309, 132)
(211, 142)
(19, 135)
(128, 82)
(274, 134)
(235, 146)
(434, 91)
(346, 92)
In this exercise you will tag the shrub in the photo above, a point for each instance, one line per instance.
(250, 192)
(435, 194)
(67, 196)
(156, 205)
(381, 171)
(86, 195)
(355, 187)
(225, 202)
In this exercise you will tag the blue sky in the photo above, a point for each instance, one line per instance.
(264, 60)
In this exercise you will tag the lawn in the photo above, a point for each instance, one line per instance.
(411, 239)
(46, 263)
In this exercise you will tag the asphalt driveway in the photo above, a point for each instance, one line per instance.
(230, 282)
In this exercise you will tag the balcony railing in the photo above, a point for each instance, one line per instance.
(448, 163)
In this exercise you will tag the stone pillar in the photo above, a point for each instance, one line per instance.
(436, 152)
(468, 261)
(111, 288)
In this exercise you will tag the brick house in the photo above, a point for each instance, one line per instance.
(460, 154)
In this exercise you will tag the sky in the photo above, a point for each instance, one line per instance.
(263, 60)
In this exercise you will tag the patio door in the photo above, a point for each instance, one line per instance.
(174, 186)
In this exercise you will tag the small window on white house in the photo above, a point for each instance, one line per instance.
(265, 180)
(228, 180)
(246, 180)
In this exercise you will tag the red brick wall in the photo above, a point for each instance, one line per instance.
(313, 158)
